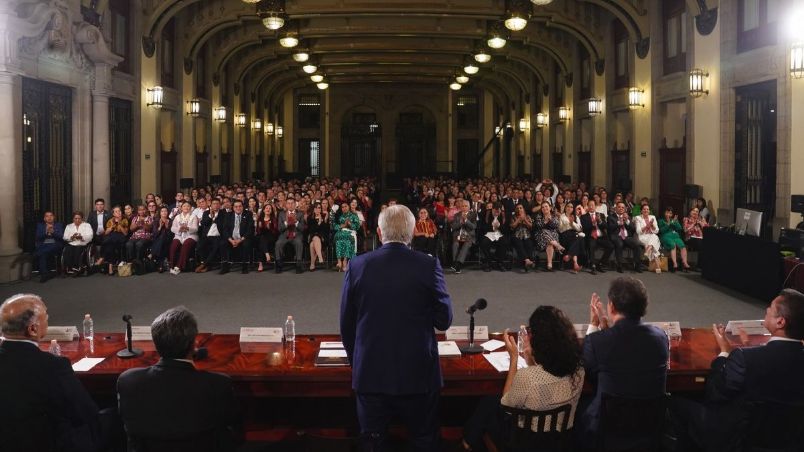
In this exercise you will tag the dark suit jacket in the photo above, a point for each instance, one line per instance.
(206, 223)
(614, 226)
(629, 359)
(246, 225)
(586, 224)
(58, 233)
(92, 219)
(43, 402)
(392, 299)
(171, 400)
(300, 224)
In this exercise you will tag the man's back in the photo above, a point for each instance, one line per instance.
(171, 400)
(628, 359)
(392, 299)
(37, 388)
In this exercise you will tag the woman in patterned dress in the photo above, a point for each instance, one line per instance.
(345, 236)
(546, 233)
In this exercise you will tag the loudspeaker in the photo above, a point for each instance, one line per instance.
(692, 191)
(797, 204)
(215, 179)
(186, 182)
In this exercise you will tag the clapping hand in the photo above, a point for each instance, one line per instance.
(720, 337)
(511, 345)
(597, 316)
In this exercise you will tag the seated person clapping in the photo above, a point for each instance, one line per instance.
(647, 230)
(521, 225)
(570, 235)
(185, 230)
(141, 231)
(545, 232)
(77, 235)
(114, 237)
(670, 231)
(554, 377)
(694, 225)
(494, 232)
(424, 235)
(463, 235)
(49, 243)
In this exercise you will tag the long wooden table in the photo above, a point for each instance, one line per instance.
(285, 370)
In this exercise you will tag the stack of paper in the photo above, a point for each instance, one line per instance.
(501, 361)
(331, 354)
(448, 348)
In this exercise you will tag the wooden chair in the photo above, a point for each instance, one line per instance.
(631, 424)
(527, 430)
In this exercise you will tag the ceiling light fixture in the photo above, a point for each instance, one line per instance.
(516, 21)
(471, 69)
(541, 2)
(462, 79)
(322, 85)
(301, 57)
(272, 21)
(317, 78)
(482, 57)
(496, 42)
(455, 86)
(289, 41)
(309, 68)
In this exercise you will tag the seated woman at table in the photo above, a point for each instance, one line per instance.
(554, 377)
(647, 230)
(670, 231)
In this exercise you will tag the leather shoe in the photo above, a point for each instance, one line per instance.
(299, 270)
(224, 269)
(201, 269)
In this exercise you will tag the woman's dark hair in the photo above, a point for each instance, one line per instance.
(553, 341)
(669, 209)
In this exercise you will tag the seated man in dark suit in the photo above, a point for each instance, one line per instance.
(621, 355)
(238, 230)
(596, 232)
(770, 373)
(171, 406)
(291, 229)
(622, 234)
(209, 234)
(49, 243)
(44, 406)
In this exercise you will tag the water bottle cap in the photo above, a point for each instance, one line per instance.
(290, 317)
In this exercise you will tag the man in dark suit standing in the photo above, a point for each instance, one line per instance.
(238, 230)
(392, 299)
(770, 373)
(621, 355)
(45, 407)
(171, 405)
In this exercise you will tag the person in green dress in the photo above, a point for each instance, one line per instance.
(345, 235)
(670, 231)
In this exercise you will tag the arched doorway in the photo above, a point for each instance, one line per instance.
(361, 137)
(415, 143)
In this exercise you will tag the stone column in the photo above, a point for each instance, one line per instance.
(10, 177)
(101, 170)
(642, 151)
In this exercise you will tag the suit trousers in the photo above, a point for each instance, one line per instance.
(594, 244)
(185, 251)
(419, 412)
(209, 249)
(425, 245)
(500, 246)
(460, 250)
(629, 242)
(240, 254)
(298, 244)
(44, 252)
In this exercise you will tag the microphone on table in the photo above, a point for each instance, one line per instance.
(473, 349)
(129, 351)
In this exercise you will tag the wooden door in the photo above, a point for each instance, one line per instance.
(672, 178)
(585, 167)
(169, 181)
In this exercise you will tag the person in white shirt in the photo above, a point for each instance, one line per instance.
(647, 229)
(77, 235)
(185, 228)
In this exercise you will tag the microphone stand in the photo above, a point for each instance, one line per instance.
(129, 351)
(471, 349)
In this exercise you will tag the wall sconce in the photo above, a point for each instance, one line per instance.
(595, 106)
(280, 131)
(240, 120)
(496, 130)
(269, 128)
(256, 124)
(541, 120)
(156, 97)
(219, 114)
(563, 114)
(698, 79)
(194, 107)
(635, 98)
(524, 124)
(797, 60)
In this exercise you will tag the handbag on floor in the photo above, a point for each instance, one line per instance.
(662, 264)
(124, 269)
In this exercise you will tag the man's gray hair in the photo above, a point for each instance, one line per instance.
(174, 332)
(16, 326)
(396, 224)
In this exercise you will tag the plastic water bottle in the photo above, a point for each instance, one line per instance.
(55, 348)
(89, 327)
(521, 338)
(290, 329)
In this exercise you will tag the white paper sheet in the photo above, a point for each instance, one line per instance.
(86, 364)
(448, 348)
(332, 345)
(501, 361)
(492, 345)
(332, 353)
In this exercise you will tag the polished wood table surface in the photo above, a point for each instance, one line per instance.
(285, 370)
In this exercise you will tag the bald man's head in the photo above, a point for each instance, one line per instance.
(23, 316)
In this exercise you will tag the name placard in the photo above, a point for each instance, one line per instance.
(751, 327)
(260, 334)
(335, 345)
(61, 333)
(140, 333)
(461, 333)
(673, 329)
